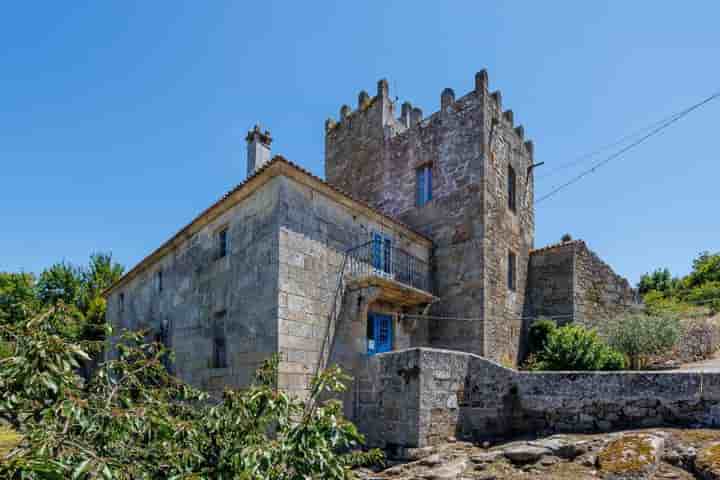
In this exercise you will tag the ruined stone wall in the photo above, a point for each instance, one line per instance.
(375, 157)
(315, 233)
(469, 397)
(600, 293)
(199, 289)
(550, 286)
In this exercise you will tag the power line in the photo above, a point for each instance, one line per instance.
(642, 139)
(594, 153)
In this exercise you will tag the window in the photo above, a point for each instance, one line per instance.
(424, 185)
(122, 302)
(512, 265)
(511, 188)
(219, 352)
(222, 243)
(159, 281)
(379, 333)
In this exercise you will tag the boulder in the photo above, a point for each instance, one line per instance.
(525, 453)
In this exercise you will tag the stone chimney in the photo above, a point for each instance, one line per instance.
(258, 148)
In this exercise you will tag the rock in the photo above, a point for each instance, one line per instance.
(413, 454)
(525, 453)
(486, 457)
(485, 444)
(431, 461)
(707, 462)
(562, 447)
(450, 471)
(631, 456)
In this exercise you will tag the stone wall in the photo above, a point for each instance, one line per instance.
(550, 283)
(568, 282)
(315, 232)
(469, 145)
(469, 397)
(202, 293)
(600, 293)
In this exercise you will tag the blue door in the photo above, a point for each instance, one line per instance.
(379, 336)
(382, 252)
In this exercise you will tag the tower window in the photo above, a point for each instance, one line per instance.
(511, 274)
(424, 185)
(511, 188)
(122, 302)
(159, 281)
(222, 243)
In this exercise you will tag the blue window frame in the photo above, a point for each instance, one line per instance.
(424, 185)
(382, 252)
(379, 333)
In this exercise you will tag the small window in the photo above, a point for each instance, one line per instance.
(512, 265)
(511, 189)
(222, 243)
(424, 185)
(219, 352)
(122, 302)
(159, 281)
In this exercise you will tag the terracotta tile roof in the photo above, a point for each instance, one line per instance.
(553, 246)
(185, 231)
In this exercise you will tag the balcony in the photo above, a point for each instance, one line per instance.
(404, 279)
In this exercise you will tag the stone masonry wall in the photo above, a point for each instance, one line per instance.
(569, 282)
(469, 145)
(470, 397)
(550, 283)
(200, 290)
(600, 293)
(314, 235)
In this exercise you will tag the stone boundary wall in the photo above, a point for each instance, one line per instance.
(419, 397)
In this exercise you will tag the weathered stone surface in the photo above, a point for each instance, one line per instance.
(525, 453)
(494, 401)
(470, 147)
(707, 462)
(631, 456)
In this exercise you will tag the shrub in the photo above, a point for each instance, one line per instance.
(538, 334)
(135, 421)
(639, 336)
(573, 347)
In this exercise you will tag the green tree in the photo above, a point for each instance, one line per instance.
(706, 269)
(100, 274)
(573, 347)
(660, 280)
(135, 421)
(640, 336)
(61, 282)
(18, 299)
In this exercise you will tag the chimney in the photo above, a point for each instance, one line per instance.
(258, 147)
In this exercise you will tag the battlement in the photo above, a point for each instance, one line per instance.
(378, 112)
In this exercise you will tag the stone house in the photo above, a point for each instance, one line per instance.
(421, 235)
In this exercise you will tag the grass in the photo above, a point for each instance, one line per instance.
(9, 439)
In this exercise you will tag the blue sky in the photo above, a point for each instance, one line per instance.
(120, 121)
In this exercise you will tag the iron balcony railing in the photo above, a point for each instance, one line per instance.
(380, 258)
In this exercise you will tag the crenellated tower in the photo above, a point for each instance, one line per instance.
(479, 213)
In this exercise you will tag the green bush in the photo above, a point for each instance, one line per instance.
(538, 334)
(640, 336)
(573, 347)
(133, 420)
